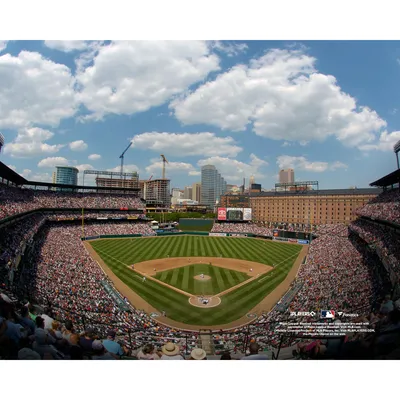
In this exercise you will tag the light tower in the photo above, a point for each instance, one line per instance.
(1, 141)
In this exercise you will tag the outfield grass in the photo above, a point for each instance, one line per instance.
(183, 278)
(119, 253)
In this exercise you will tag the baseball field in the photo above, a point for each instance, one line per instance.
(170, 272)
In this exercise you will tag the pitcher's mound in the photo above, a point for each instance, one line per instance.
(204, 278)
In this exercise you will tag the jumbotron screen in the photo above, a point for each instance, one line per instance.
(234, 214)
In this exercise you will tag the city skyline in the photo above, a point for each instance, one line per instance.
(249, 108)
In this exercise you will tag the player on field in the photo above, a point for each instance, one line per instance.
(144, 279)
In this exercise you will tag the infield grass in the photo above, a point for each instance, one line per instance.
(117, 254)
(184, 278)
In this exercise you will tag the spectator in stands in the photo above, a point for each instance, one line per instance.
(44, 342)
(28, 354)
(253, 353)
(148, 352)
(387, 306)
(171, 352)
(26, 321)
(226, 356)
(68, 331)
(111, 345)
(198, 354)
(100, 353)
(87, 339)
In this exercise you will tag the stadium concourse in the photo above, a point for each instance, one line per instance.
(60, 305)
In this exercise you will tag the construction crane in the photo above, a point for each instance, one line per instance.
(122, 158)
(150, 178)
(163, 168)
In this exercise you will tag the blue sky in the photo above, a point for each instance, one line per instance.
(330, 110)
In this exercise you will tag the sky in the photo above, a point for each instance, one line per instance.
(328, 109)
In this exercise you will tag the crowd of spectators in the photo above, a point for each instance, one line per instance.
(385, 239)
(61, 273)
(117, 228)
(339, 274)
(17, 200)
(386, 207)
(93, 215)
(245, 227)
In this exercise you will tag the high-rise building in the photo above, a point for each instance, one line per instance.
(196, 192)
(213, 185)
(67, 175)
(157, 192)
(188, 193)
(286, 175)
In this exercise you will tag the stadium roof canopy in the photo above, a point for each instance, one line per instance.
(388, 180)
(8, 174)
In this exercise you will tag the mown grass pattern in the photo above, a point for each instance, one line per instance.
(184, 278)
(119, 253)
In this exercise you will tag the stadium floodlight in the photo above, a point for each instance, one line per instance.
(1, 141)
(396, 147)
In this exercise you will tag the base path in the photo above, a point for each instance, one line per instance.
(147, 268)
(251, 268)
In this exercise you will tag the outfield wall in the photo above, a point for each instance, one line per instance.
(213, 234)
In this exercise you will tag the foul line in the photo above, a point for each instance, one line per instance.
(271, 273)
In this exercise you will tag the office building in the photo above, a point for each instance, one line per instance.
(187, 193)
(196, 192)
(286, 175)
(213, 185)
(66, 176)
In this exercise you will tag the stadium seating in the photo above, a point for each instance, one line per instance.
(15, 200)
(385, 207)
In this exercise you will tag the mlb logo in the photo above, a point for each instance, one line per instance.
(328, 314)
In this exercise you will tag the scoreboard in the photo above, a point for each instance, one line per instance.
(234, 214)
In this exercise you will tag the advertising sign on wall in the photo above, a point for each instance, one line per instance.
(217, 234)
(222, 214)
(300, 241)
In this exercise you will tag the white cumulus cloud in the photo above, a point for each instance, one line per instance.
(385, 142)
(173, 167)
(127, 168)
(94, 157)
(127, 77)
(187, 144)
(3, 45)
(51, 162)
(233, 170)
(302, 164)
(34, 90)
(30, 142)
(281, 96)
(66, 46)
(78, 145)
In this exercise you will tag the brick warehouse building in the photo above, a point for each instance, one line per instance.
(317, 207)
(314, 206)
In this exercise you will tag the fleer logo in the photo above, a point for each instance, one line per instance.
(302, 314)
